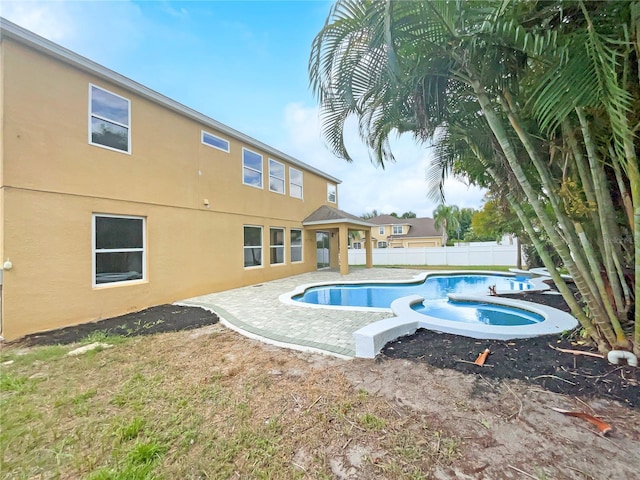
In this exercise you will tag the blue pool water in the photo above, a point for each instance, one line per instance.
(435, 287)
(474, 312)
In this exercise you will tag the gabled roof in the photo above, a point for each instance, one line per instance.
(326, 214)
(419, 227)
(390, 220)
(423, 227)
(26, 37)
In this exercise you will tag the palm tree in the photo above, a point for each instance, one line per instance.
(446, 216)
(548, 137)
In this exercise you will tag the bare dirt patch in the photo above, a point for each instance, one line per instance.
(238, 407)
(507, 427)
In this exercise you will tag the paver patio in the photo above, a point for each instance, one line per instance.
(257, 311)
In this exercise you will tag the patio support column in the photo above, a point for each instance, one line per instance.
(368, 249)
(343, 242)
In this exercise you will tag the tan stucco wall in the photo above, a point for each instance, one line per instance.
(54, 180)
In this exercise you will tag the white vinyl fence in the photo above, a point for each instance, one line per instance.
(488, 253)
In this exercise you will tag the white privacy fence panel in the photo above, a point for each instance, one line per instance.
(460, 255)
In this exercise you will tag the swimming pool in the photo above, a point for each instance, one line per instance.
(433, 287)
(451, 302)
(477, 312)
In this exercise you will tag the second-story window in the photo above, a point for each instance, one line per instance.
(214, 141)
(295, 183)
(251, 168)
(380, 230)
(397, 230)
(109, 120)
(276, 176)
(332, 193)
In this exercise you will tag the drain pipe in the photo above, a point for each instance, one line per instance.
(614, 356)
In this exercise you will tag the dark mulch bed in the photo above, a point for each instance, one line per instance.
(531, 360)
(160, 319)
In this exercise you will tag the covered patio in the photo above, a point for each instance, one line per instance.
(332, 228)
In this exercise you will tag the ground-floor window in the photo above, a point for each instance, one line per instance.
(357, 245)
(276, 245)
(118, 248)
(252, 246)
(382, 244)
(296, 245)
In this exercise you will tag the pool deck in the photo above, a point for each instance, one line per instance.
(257, 312)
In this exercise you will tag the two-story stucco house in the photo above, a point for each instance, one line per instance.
(114, 198)
(393, 232)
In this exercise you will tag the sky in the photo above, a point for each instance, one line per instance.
(243, 63)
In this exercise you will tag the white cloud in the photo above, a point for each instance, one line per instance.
(48, 19)
(103, 31)
(399, 188)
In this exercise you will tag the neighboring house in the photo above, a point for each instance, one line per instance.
(392, 232)
(114, 198)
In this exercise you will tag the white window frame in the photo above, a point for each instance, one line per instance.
(332, 191)
(209, 134)
(99, 117)
(261, 171)
(395, 229)
(283, 246)
(244, 247)
(292, 183)
(292, 246)
(357, 245)
(380, 230)
(95, 251)
(282, 179)
(382, 244)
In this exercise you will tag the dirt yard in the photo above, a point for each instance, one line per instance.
(435, 415)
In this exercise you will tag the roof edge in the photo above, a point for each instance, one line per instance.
(338, 220)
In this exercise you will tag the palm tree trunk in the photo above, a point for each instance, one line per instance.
(576, 309)
(610, 231)
(584, 258)
(620, 335)
(572, 241)
(600, 317)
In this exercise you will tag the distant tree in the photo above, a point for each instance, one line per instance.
(464, 218)
(446, 216)
(375, 213)
(372, 214)
(489, 223)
